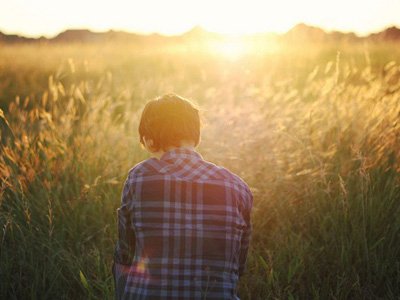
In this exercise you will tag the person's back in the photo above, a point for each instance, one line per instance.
(184, 228)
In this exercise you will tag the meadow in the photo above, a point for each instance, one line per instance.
(314, 130)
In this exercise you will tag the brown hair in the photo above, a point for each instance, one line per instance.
(169, 120)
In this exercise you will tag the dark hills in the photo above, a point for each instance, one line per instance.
(389, 34)
(299, 33)
(306, 33)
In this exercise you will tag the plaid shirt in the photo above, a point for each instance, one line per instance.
(184, 230)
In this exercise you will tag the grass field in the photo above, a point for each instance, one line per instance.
(314, 131)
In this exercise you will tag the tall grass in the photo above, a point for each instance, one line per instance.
(315, 134)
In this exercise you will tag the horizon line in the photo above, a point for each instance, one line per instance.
(149, 33)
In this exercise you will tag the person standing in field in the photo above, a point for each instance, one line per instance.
(184, 223)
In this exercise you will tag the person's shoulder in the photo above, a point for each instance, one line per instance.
(237, 179)
(141, 168)
(228, 176)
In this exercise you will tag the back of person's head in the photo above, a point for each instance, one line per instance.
(168, 121)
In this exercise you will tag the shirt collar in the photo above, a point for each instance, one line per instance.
(180, 155)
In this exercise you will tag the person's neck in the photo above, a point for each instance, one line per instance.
(183, 145)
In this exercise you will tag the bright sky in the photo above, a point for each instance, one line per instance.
(49, 17)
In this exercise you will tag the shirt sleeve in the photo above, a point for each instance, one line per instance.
(245, 242)
(125, 246)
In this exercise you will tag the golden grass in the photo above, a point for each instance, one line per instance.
(315, 134)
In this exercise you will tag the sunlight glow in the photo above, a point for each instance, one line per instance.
(235, 47)
(230, 48)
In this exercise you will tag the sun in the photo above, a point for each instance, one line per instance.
(236, 47)
(231, 48)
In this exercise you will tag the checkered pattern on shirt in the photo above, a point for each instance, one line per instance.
(184, 229)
